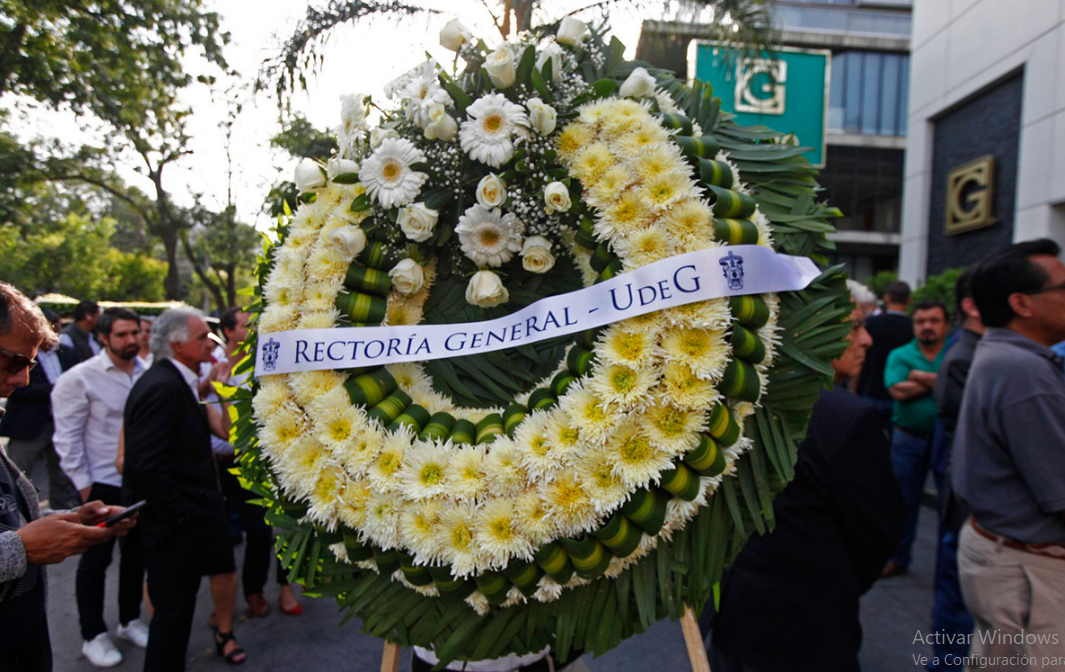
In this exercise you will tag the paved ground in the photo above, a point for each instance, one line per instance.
(891, 614)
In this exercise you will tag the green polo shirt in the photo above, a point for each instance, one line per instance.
(917, 414)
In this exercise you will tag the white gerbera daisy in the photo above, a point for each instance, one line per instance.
(488, 134)
(498, 535)
(387, 174)
(488, 237)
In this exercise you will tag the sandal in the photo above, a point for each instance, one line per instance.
(235, 657)
(258, 606)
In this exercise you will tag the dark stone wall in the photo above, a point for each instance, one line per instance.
(990, 123)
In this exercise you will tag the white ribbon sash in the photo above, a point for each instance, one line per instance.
(686, 278)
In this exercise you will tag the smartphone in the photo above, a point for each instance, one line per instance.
(130, 510)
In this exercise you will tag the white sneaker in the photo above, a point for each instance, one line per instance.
(101, 651)
(135, 631)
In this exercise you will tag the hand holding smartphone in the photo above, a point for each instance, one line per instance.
(129, 511)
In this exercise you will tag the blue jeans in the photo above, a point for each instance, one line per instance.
(949, 615)
(911, 458)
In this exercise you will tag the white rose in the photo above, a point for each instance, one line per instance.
(453, 35)
(500, 67)
(556, 195)
(407, 276)
(334, 168)
(491, 191)
(536, 255)
(553, 53)
(380, 134)
(639, 84)
(570, 31)
(349, 238)
(542, 117)
(441, 126)
(309, 176)
(486, 290)
(417, 221)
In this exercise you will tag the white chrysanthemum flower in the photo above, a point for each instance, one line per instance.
(628, 212)
(455, 536)
(573, 138)
(497, 533)
(568, 504)
(488, 237)
(595, 417)
(632, 348)
(325, 319)
(621, 385)
(540, 458)
(479, 603)
(612, 182)
(385, 470)
(325, 495)
(531, 518)
(710, 314)
(690, 221)
(307, 386)
(646, 246)
(362, 450)
(277, 318)
(337, 429)
(657, 160)
(502, 467)
(283, 292)
(669, 187)
(288, 264)
(321, 295)
(682, 388)
(402, 312)
(353, 502)
(605, 487)
(387, 174)
(648, 323)
(636, 460)
(283, 427)
(548, 590)
(424, 471)
(488, 133)
(674, 430)
(706, 351)
(382, 519)
(418, 528)
(326, 262)
(300, 465)
(563, 434)
(640, 139)
(465, 474)
(272, 396)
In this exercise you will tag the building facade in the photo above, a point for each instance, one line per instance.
(866, 123)
(985, 162)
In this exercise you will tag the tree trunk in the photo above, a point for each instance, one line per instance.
(523, 10)
(172, 285)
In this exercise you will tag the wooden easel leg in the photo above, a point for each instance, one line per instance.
(390, 658)
(693, 639)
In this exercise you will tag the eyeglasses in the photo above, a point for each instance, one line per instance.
(16, 362)
(1044, 290)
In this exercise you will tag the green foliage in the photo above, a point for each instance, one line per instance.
(301, 140)
(115, 57)
(940, 288)
(73, 256)
(879, 282)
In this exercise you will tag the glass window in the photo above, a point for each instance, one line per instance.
(867, 94)
(866, 184)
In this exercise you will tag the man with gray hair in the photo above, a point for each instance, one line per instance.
(168, 462)
(28, 541)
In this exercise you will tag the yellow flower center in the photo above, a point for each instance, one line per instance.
(489, 237)
(629, 346)
(568, 495)
(500, 529)
(539, 446)
(432, 474)
(340, 429)
(594, 412)
(636, 449)
(493, 123)
(461, 537)
(623, 380)
(694, 342)
(670, 422)
(388, 463)
(391, 171)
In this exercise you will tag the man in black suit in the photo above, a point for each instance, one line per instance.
(790, 600)
(78, 335)
(169, 463)
(28, 422)
(889, 330)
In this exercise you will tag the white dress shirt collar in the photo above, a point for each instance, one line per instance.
(192, 378)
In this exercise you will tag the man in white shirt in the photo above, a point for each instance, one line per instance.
(89, 400)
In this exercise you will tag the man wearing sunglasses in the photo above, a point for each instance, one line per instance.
(1009, 459)
(28, 541)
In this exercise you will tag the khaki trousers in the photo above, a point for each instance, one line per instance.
(1018, 602)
